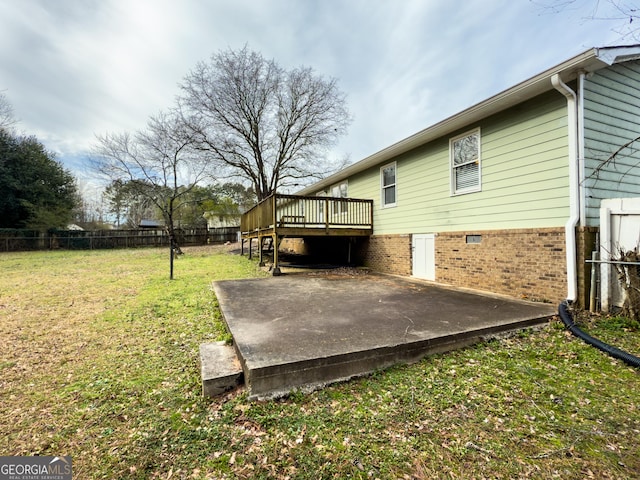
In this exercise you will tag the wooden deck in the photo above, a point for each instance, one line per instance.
(280, 216)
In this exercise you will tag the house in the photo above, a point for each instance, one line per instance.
(505, 195)
(222, 220)
(147, 223)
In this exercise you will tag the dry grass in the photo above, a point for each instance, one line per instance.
(82, 331)
(99, 361)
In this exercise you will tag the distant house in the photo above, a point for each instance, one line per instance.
(222, 220)
(226, 213)
(505, 195)
(145, 223)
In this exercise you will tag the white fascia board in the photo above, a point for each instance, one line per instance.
(611, 55)
(589, 61)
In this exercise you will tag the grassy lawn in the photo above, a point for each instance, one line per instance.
(99, 361)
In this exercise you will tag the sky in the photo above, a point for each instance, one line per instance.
(74, 69)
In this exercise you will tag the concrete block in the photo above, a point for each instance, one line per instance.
(220, 369)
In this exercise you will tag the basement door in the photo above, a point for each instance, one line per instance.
(424, 256)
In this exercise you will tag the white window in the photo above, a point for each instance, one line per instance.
(465, 163)
(388, 185)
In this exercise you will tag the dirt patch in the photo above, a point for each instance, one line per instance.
(231, 248)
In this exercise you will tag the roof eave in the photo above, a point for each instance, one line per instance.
(589, 61)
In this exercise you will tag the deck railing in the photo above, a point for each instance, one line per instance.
(294, 211)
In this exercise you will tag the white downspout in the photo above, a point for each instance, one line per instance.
(582, 199)
(574, 187)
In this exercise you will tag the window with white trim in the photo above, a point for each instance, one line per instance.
(465, 163)
(388, 192)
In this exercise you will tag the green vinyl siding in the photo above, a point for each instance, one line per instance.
(523, 169)
(611, 119)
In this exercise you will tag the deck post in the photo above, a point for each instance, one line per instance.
(260, 246)
(371, 215)
(276, 265)
(250, 254)
(326, 215)
(274, 205)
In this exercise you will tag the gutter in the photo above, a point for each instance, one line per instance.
(574, 186)
(588, 61)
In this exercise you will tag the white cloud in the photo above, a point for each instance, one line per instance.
(75, 69)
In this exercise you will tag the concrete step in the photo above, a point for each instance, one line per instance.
(220, 369)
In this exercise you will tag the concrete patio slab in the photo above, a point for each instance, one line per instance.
(303, 331)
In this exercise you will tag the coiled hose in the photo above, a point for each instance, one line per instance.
(567, 319)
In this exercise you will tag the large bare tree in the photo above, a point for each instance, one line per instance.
(267, 125)
(622, 15)
(159, 161)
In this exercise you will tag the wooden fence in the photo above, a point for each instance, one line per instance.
(25, 240)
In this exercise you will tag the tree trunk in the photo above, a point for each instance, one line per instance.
(174, 248)
(171, 257)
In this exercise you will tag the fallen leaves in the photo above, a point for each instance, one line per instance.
(113, 380)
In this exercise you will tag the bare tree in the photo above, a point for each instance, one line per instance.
(625, 156)
(124, 201)
(623, 13)
(264, 124)
(626, 15)
(6, 112)
(159, 162)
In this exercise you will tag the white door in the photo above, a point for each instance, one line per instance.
(424, 256)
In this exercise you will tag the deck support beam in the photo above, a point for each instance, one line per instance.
(260, 253)
(276, 264)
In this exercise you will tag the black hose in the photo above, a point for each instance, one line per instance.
(565, 315)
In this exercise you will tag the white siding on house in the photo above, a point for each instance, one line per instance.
(611, 119)
(524, 177)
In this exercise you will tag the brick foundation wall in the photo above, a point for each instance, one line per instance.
(524, 263)
(387, 253)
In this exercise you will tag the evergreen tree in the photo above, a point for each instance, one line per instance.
(37, 191)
